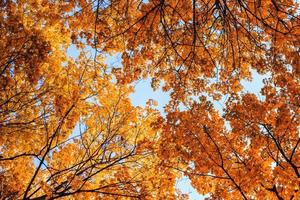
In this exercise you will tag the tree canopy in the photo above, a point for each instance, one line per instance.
(68, 129)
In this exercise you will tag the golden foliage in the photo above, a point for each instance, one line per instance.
(68, 128)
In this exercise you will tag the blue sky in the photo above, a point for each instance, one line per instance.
(144, 92)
